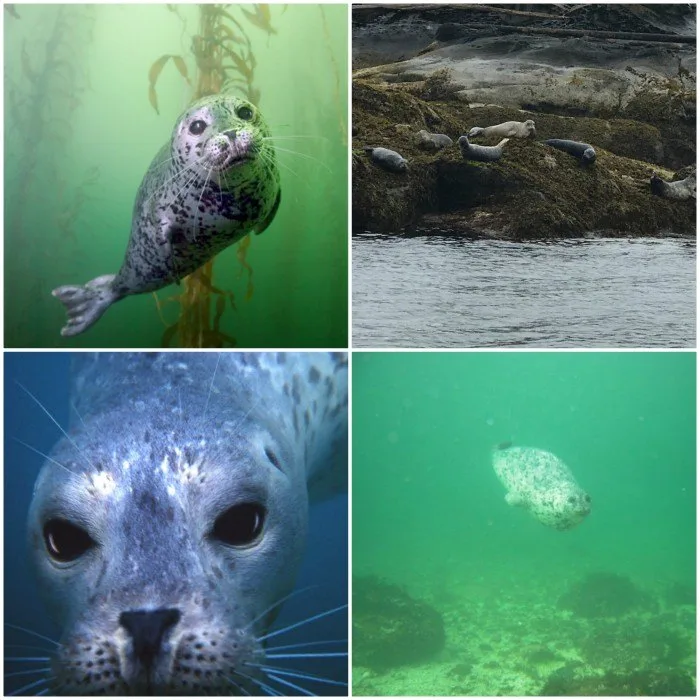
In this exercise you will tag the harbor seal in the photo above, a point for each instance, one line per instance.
(541, 483)
(513, 130)
(583, 151)
(216, 181)
(168, 524)
(432, 142)
(680, 189)
(387, 159)
(480, 153)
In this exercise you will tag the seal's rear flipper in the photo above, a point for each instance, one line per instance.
(84, 305)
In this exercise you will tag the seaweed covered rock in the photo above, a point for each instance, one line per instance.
(640, 683)
(390, 628)
(605, 595)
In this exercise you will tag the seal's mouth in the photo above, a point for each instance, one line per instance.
(230, 149)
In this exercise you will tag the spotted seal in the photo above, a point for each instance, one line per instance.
(541, 483)
(216, 181)
(432, 142)
(513, 130)
(170, 520)
(679, 189)
(483, 154)
(583, 151)
(387, 159)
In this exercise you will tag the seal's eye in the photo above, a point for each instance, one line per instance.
(240, 525)
(245, 112)
(66, 542)
(197, 127)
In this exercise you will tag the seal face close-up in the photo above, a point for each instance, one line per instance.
(541, 483)
(216, 181)
(168, 525)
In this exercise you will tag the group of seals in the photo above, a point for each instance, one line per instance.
(512, 130)
(541, 483)
(171, 519)
(680, 189)
(216, 181)
(484, 154)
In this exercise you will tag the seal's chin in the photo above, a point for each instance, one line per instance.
(229, 161)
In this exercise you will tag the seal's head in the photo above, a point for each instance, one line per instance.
(588, 156)
(162, 548)
(530, 126)
(221, 134)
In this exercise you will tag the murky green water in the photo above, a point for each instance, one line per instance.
(429, 515)
(80, 132)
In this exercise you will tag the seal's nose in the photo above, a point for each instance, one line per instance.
(231, 134)
(147, 628)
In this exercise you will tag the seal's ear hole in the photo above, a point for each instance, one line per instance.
(273, 458)
(64, 541)
(197, 127)
(245, 112)
(240, 525)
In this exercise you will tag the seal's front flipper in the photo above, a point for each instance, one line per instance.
(84, 305)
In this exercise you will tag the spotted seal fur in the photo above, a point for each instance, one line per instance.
(216, 181)
(513, 130)
(432, 142)
(484, 154)
(541, 483)
(171, 519)
(678, 189)
(387, 159)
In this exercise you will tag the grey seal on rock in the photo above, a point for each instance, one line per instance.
(517, 130)
(432, 142)
(680, 189)
(583, 151)
(214, 182)
(168, 525)
(387, 159)
(480, 153)
(541, 483)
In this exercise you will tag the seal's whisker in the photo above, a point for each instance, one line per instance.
(307, 156)
(257, 682)
(279, 602)
(282, 165)
(289, 684)
(28, 646)
(211, 386)
(32, 659)
(42, 454)
(238, 686)
(281, 138)
(29, 686)
(34, 634)
(57, 424)
(27, 673)
(307, 644)
(313, 618)
(320, 655)
(199, 201)
(295, 674)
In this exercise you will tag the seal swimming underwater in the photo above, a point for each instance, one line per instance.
(216, 181)
(168, 525)
(540, 482)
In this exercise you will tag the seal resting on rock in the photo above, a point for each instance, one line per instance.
(387, 159)
(215, 182)
(168, 525)
(680, 189)
(484, 154)
(513, 130)
(432, 142)
(583, 151)
(541, 483)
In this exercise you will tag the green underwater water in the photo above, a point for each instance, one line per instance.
(80, 133)
(429, 516)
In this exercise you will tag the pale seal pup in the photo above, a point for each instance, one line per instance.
(541, 483)
(480, 153)
(679, 190)
(216, 181)
(583, 151)
(432, 142)
(169, 522)
(513, 130)
(387, 159)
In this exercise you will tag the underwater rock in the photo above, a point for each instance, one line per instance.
(640, 683)
(390, 628)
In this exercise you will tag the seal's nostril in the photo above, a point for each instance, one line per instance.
(147, 628)
(231, 133)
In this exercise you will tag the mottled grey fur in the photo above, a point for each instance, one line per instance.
(679, 190)
(583, 151)
(387, 159)
(484, 154)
